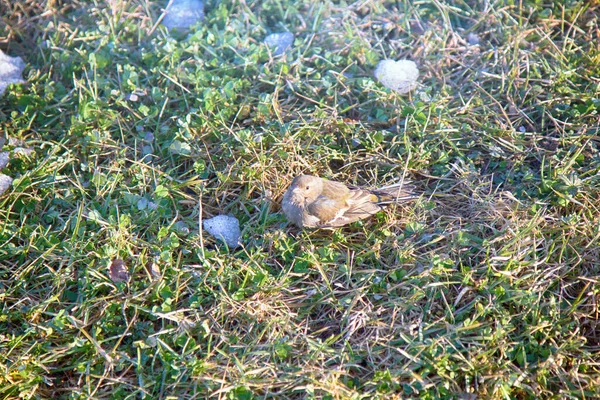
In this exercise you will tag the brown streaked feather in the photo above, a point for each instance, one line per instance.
(335, 190)
(355, 213)
(326, 208)
(397, 193)
(358, 196)
(359, 204)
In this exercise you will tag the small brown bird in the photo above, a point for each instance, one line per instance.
(313, 202)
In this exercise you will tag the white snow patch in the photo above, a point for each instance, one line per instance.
(224, 227)
(11, 69)
(400, 76)
(181, 14)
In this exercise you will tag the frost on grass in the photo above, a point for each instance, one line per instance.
(5, 182)
(279, 42)
(400, 76)
(224, 227)
(11, 69)
(181, 14)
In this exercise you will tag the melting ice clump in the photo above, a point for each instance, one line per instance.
(400, 76)
(224, 227)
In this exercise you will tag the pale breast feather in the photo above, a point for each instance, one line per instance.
(310, 221)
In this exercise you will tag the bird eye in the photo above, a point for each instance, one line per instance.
(308, 188)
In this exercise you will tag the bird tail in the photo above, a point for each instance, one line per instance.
(396, 193)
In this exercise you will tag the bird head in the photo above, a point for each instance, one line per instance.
(306, 188)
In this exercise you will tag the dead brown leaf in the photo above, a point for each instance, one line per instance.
(118, 271)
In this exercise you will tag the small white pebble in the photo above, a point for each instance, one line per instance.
(5, 183)
(473, 39)
(11, 69)
(400, 76)
(133, 97)
(181, 14)
(224, 227)
(522, 129)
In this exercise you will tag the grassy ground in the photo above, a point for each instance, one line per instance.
(485, 287)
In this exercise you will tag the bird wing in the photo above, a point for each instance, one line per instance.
(326, 209)
(396, 193)
(359, 204)
(335, 190)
